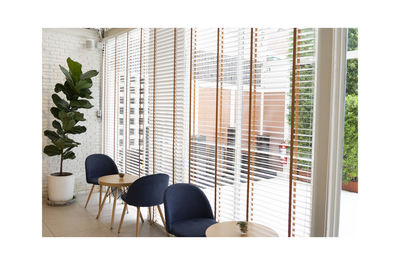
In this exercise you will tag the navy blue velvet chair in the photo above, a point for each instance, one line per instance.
(187, 211)
(96, 166)
(147, 191)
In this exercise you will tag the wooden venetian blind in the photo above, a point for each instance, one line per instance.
(126, 67)
(241, 120)
(301, 149)
(270, 127)
(109, 95)
(229, 110)
(169, 104)
(234, 50)
(138, 104)
(205, 57)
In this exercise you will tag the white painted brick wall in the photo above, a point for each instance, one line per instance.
(57, 46)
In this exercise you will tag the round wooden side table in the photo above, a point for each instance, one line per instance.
(116, 182)
(231, 229)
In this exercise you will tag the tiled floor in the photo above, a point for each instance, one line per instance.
(76, 221)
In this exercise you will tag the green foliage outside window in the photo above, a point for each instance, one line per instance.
(352, 43)
(352, 77)
(350, 143)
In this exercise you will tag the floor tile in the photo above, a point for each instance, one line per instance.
(98, 232)
(76, 221)
(45, 231)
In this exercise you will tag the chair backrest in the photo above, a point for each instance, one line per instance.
(184, 201)
(98, 165)
(148, 190)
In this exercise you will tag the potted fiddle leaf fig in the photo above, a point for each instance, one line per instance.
(74, 96)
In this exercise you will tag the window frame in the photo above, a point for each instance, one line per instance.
(328, 131)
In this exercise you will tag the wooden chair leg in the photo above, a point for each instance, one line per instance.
(101, 189)
(90, 194)
(125, 190)
(102, 204)
(141, 217)
(137, 221)
(113, 209)
(161, 215)
(122, 217)
(150, 215)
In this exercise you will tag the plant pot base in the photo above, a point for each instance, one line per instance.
(60, 203)
(60, 188)
(352, 186)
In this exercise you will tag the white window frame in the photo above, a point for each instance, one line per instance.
(328, 131)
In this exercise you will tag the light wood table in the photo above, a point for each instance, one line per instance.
(118, 183)
(231, 229)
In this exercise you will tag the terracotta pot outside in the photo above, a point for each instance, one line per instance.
(352, 186)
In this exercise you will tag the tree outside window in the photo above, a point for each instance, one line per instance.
(350, 144)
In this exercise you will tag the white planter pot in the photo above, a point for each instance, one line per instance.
(60, 188)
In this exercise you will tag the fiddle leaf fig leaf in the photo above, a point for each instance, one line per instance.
(68, 120)
(52, 150)
(59, 102)
(70, 143)
(59, 87)
(60, 143)
(55, 112)
(78, 116)
(70, 92)
(81, 103)
(83, 88)
(85, 93)
(67, 75)
(89, 74)
(75, 69)
(66, 89)
(69, 155)
(62, 114)
(63, 143)
(68, 123)
(83, 84)
(69, 148)
(56, 125)
(77, 129)
(53, 136)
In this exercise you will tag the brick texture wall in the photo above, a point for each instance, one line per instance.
(57, 46)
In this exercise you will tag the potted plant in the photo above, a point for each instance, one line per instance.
(76, 89)
(243, 228)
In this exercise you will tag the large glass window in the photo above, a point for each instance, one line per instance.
(350, 177)
(229, 110)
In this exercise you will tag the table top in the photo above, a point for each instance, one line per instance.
(116, 181)
(231, 229)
